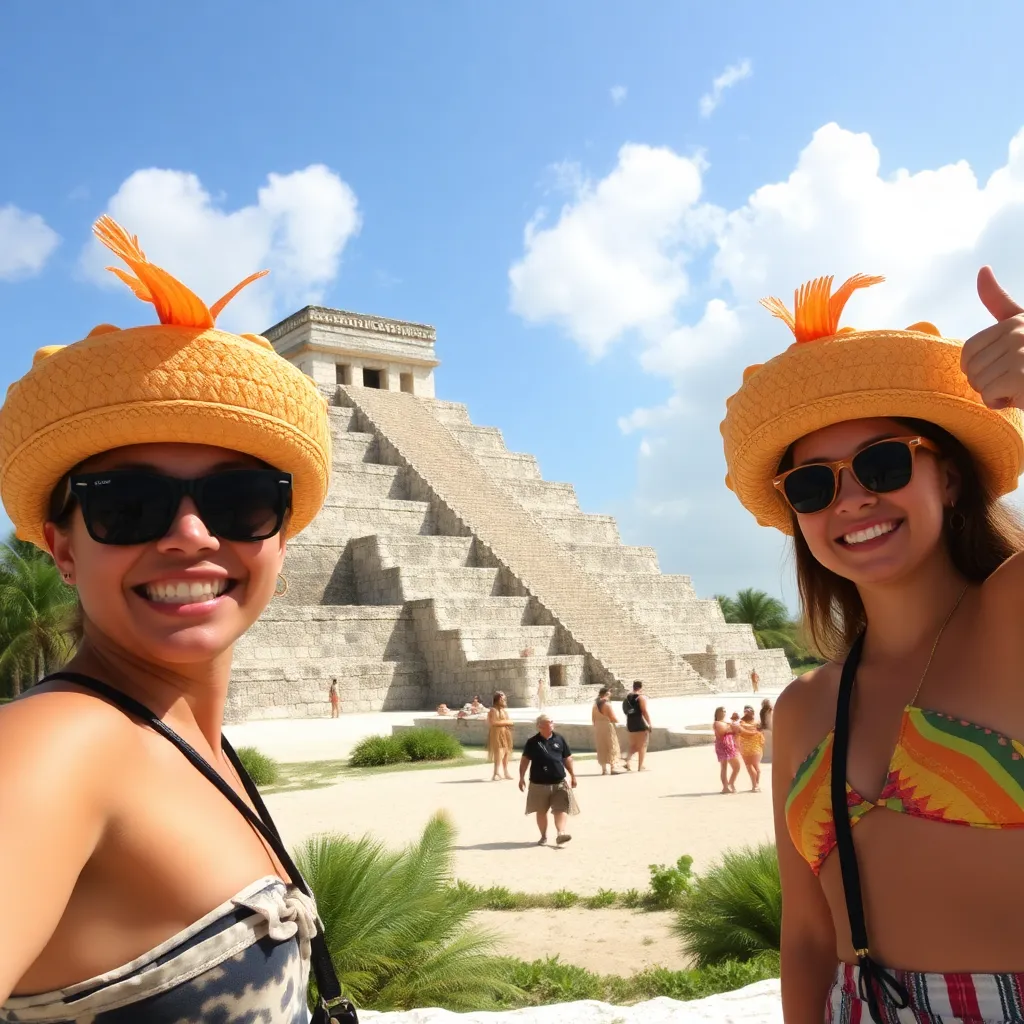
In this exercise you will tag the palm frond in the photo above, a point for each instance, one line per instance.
(397, 930)
(734, 911)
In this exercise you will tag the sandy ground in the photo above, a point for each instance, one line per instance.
(628, 822)
(326, 739)
(610, 941)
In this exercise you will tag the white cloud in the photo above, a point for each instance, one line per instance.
(615, 259)
(733, 74)
(298, 228)
(927, 231)
(618, 94)
(26, 242)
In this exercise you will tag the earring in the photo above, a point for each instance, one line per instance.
(66, 577)
(957, 520)
(282, 586)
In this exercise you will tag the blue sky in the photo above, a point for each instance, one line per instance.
(453, 124)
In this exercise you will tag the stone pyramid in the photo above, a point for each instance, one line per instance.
(443, 566)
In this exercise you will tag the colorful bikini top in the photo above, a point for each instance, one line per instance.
(943, 769)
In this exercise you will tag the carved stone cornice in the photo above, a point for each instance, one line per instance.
(342, 318)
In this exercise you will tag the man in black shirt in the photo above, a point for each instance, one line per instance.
(549, 759)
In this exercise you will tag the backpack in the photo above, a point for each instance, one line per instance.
(630, 705)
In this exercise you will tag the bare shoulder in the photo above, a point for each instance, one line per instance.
(804, 713)
(62, 729)
(1003, 591)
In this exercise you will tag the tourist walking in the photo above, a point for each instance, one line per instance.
(755, 680)
(151, 882)
(766, 715)
(884, 454)
(334, 698)
(638, 725)
(725, 751)
(499, 736)
(750, 743)
(606, 740)
(552, 780)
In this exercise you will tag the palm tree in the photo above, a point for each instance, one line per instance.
(396, 928)
(734, 912)
(36, 616)
(769, 618)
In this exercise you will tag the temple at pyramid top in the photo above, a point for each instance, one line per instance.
(334, 346)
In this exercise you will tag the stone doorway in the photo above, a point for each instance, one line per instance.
(556, 675)
(373, 378)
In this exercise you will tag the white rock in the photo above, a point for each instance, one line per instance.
(755, 1004)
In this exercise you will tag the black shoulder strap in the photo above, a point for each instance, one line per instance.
(875, 981)
(333, 1008)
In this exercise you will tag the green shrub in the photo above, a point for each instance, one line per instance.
(669, 883)
(396, 926)
(430, 745)
(263, 770)
(602, 898)
(374, 751)
(563, 898)
(734, 912)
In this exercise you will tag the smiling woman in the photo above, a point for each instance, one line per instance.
(884, 454)
(153, 883)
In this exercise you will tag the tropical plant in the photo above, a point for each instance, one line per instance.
(734, 911)
(374, 751)
(37, 616)
(426, 744)
(397, 928)
(769, 618)
(263, 770)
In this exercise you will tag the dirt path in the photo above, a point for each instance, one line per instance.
(610, 941)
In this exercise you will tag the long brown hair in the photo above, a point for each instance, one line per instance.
(981, 533)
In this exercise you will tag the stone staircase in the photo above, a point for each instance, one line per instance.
(443, 567)
(619, 646)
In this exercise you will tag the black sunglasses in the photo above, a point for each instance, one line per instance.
(881, 467)
(136, 506)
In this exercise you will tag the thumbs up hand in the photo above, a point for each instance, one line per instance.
(993, 360)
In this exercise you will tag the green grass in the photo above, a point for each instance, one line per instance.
(302, 775)
(552, 981)
(263, 770)
(669, 884)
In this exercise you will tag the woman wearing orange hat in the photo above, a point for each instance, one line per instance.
(899, 803)
(162, 467)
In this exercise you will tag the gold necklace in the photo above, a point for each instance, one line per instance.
(938, 637)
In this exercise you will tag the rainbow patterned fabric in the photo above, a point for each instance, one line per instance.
(943, 769)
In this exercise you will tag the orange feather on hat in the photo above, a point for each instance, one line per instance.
(174, 303)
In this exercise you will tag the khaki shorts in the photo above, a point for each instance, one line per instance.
(556, 798)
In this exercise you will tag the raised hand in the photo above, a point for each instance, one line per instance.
(993, 360)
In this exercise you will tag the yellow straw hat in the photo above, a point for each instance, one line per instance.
(829, 375)
(181, 380)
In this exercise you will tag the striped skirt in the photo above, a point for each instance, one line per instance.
(934, 999)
